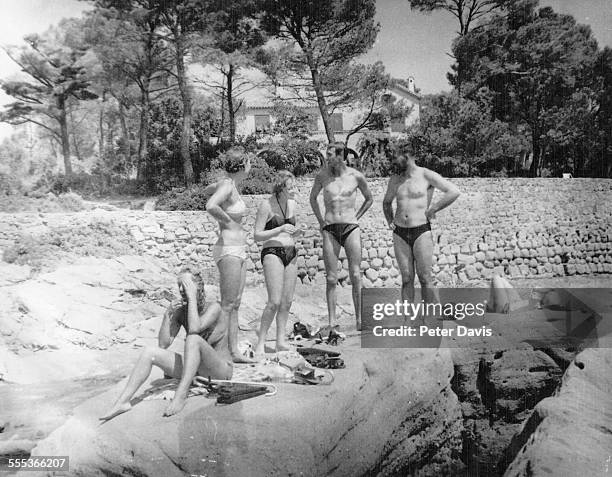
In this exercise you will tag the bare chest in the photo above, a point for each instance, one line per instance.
(340, 187)
(413, 188)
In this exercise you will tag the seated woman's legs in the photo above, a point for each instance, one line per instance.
(169, 362)
(202, 359)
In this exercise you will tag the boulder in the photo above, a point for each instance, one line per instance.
(387, 412)
(61, 325)
(570, 433)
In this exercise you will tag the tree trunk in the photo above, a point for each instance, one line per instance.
(533, 168)
(145, 100)
(65, 139)
(230, 104)
(222, 122)
(316, 83)
(101, 128)
(125, 134)
(76, 148)
(186, 99)
(143, 130)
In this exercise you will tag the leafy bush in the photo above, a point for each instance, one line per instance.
(81, 181)
(193, 198)
(231, 160)
(375, 152)
(259, 180)
(298, 156)
(9, 185)
(95, 184)
(104, 239)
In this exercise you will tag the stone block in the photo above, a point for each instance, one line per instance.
(472, 273)
(465, 259)
(312, 261)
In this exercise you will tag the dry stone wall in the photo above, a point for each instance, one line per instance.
(512, 227)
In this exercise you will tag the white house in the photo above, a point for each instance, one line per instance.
(258, 115)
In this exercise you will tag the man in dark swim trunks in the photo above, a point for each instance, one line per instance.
(412, 188)
(339, 227)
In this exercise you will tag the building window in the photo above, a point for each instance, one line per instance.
(262, 122)
(335, 121)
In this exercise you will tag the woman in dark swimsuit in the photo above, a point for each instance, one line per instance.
(275, 227)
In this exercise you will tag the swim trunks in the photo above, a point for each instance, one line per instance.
(411, 234)
(286, 254)
(340, 231)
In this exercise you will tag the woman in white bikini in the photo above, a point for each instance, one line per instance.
(275, 227)
(230, 251)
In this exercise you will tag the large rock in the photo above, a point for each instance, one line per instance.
(388, 412)
(513, 381)
(62, 324)
(570, 433)
(11, 274)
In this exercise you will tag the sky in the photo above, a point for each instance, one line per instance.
(410, 43)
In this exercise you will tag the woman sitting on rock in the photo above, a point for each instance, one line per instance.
(206, 348)
(230, 251)
(275, 227)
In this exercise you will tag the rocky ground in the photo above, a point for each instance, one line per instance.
(497, 406)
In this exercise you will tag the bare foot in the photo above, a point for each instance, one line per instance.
(115, 411)
(175, 406)
(238, 358)
(259, 350)
(283, 346)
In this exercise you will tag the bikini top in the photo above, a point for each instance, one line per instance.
(277, 220)
(238, 208)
